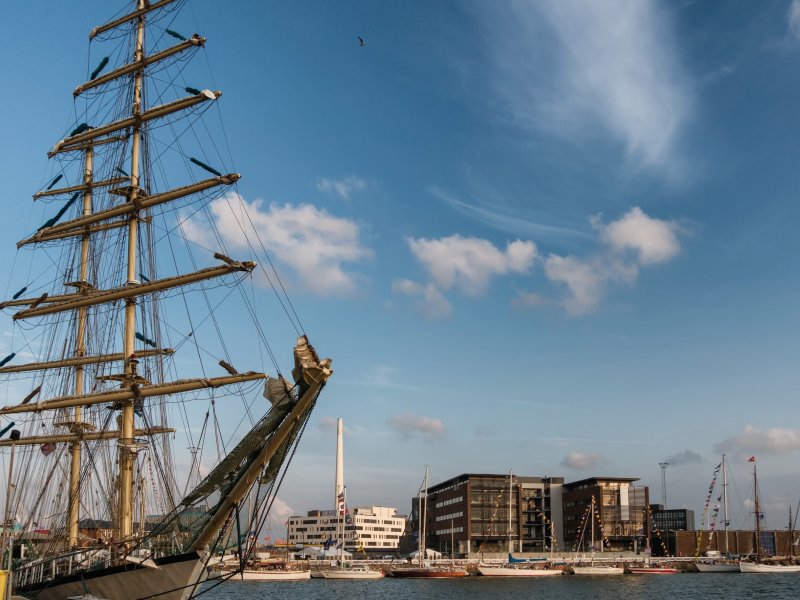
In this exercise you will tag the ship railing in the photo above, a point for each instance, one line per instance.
(66, 563)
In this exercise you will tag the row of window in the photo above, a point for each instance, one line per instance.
(449, 531)
(450, 501)
(454, 515)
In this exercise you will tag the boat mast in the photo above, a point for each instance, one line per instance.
(423, 506)
(77, 426)
(757, 513)
(592, 536)
(510, 503)
(725, 520)
(339, 490)
(127, 452)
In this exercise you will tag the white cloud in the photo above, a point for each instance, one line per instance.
(650, 240)
(278, 515)
(431, 302)
(342, 187)
(794, 18)
(409, 425)
(572, 67)
(313, 243)
(584, 282)
(469, 263)
(582, 460)
(759, 441)
(653, 240)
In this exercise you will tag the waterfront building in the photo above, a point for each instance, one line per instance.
(671, 519)
(493, 513)
(373, 529)
(621, 521)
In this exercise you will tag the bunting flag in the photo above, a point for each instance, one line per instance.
(48, 448)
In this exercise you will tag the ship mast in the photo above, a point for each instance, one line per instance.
(758, 514)
(127, 451)
(725, 520)
(77, 426)
(83, 359)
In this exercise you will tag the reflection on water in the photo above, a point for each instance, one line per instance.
(656, 587)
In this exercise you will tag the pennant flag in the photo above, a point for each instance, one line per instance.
(48, 448)
(751, 459)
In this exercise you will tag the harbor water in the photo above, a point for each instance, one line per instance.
(568, 587)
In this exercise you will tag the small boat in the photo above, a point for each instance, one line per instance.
(263, 571)
(651, 570)
(592, 568)
(754, 567)
(356, 572)
(597, 570)
(518, 570)
(715, 563)
(344, 524)
(432, 571)
(422, 569)
(718, 566)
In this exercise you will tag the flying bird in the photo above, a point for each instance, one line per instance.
(361, 41)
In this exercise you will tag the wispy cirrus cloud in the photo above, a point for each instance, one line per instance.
(582, 461)
(574, 68)
(343, 188)
(794, 18)
(410, 426)
(315, 246)
(753, 440)
(494, 216)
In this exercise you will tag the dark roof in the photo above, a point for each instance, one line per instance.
(599, 480)
(467, 476)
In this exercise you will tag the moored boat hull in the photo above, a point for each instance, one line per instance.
(652, 570)
(428, 573)
(598, 570)
(717, 567)
(127, 582)
(517, 572)
(352, 574)
(751, 567)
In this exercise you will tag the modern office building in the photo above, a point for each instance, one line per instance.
(375, 529)
(493, 513)
(672, 519)
(621, 519)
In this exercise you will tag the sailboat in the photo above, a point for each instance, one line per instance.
(342, 515)
(592, 568)
(422, 569)
(111, 285)
(714, 564)
(756, 566)
(516, 567)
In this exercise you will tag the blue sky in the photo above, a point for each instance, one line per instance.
(558, 237)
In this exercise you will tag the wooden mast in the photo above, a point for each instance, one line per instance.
(758, 514)
(127, 452)
(73, 500)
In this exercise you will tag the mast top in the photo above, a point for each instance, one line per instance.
(129, 17)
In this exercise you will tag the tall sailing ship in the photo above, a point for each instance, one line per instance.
(111, 305)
